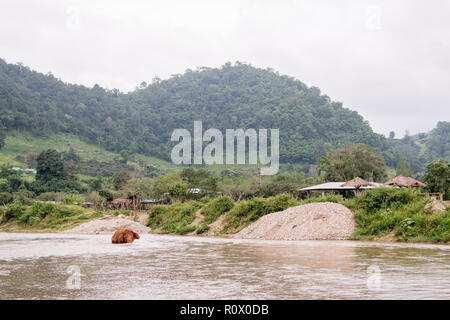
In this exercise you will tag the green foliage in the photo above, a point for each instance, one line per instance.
(437, 177)
(48, 212)
(71, 197)
(216, 207)
(5, 198)
(355, 160)
(401, 211)
(178, 190)
(50, 166)
(106, 194)
(2, 136)
(402, 169)
(13, 210)
(248, 211)
(121, 179)
(200, 178)
(175, 218)
(372, 201)
(51, 175)
(142, 121)
(96, 184)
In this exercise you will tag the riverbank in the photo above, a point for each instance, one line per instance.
(383, 215)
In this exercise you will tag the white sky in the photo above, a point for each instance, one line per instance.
(388, 60)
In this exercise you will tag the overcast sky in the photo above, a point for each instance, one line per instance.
(388, 60)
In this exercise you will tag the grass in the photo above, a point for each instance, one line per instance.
(248, 211)
(22, 144)
(41, 217)
(175, 218)
(402, 212)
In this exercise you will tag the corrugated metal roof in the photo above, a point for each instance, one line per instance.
(337, 186)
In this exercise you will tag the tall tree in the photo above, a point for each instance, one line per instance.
(403, 169)
(355, 160)
(437, 177)
(50, 166)
(2, 137)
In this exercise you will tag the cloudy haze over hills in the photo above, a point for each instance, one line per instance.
(377, 57)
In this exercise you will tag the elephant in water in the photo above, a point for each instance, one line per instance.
(124, 236)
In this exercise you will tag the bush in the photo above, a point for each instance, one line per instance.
(24, 196)
(13, 210)
(51, 196)
(216, 207)
(70, 198)
(401, 211)
(383, 198)
(175, 218)
(5, 198)
(106, 194)
(248, 211)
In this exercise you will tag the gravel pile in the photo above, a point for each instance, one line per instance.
(108, 225)
(314, 221)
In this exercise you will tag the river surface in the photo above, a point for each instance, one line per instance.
(45, 266)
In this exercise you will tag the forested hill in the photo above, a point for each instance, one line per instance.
(233, 96)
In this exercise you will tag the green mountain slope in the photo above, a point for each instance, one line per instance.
(141, 122)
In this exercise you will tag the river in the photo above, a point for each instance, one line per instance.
(64, 266)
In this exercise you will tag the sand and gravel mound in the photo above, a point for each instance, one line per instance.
(313, 221)
(436, 206)
(109, 224)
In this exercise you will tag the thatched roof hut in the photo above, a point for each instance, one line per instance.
(357, 183)
(402, 181)
(119, 201)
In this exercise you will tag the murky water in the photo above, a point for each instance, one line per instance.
(35, 266)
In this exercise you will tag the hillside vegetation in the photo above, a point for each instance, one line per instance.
(233, 96)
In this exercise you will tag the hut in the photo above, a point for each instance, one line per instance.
(401, 181)
(357, 183)
(354, 185)
(120, 203)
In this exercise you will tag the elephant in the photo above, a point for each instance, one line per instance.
(124, 236)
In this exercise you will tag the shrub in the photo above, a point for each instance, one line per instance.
(70, 198)
(382, 198)
(216, 207)
(402, 211)
(13, 210)
(5, 198)
(248, 211)
(202, 228)
(51, 196)
(175, 218)
(106, 194)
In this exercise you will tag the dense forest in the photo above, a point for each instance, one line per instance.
(233, 96)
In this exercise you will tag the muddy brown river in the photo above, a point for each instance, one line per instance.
(62, 266)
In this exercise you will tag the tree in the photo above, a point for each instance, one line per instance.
(200, 178)
(50, 166)
(120, 179)
(106, 194)
(391, 135)
(437, 177)
(402, 169)
(51, 175)
(2, 137)
(178, 190)
(71, 156)
(355, 160)
(96, 184)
